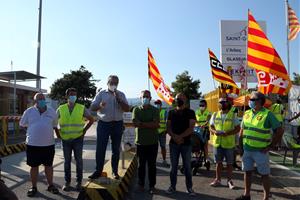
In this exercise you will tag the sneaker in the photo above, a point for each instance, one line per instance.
(191, 192)
(66, 187)
(31, 192)
(94, 175)
(215, 183)
(115, 176)
(153, 190)
(171, 190)
(243, 197)
(165, 163)
(79, 186)
(230, 184)
(53, 189)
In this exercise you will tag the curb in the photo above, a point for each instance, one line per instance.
(106, 188)
(12, 149)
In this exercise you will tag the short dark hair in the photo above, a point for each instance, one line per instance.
(260, 96)
(203, 101)
(70, 90)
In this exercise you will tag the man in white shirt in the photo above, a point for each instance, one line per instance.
(40, 120)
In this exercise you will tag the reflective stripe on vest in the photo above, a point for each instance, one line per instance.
(162, 121)
(202, 117)
(255, 135)
(226, 142)
(71, 124)
(276, 110)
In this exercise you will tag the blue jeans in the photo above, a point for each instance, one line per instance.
(186, 153)
(75, 145)
(104, 130)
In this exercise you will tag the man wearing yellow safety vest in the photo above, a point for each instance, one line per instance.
(203, 117)
(277, 110)
(72, 130)
(256, 139)
(162, 131)
(224, 125)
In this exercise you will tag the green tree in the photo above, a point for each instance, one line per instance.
(296, 79)
(80, 79)
(185, 84)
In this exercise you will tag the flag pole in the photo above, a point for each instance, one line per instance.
(287, 34)
(287, 44)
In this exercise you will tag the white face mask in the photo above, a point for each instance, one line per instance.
(112, 87)
(202, 108)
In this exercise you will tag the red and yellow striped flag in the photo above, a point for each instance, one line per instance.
(263, 57)
(163, 91)
(294, 25)
(221, 75)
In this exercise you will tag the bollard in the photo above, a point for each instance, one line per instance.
(4, 129)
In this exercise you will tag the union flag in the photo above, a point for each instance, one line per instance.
(263, 57)
(221, 75)
(163, 91)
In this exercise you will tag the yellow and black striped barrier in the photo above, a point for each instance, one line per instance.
(11, 149)
(109, 188)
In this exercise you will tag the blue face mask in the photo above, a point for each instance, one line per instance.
(145, 101)
(41, 103)
(252, 104)
(72, 99)
(158, 106)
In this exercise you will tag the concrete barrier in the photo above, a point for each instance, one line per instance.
(109, 188)
(11, 149)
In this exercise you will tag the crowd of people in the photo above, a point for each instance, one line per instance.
(259, 131)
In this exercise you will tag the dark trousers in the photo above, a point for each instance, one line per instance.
(147, 154)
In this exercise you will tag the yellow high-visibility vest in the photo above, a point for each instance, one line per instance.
(202, 117)
(254, 134)
(226, 142)
(71, 124)
(276, 110)
(162, 122)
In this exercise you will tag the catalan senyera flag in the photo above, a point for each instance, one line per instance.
(263, 57)
(294, 25)
(269, 83)
(221, 75)
(163, 91)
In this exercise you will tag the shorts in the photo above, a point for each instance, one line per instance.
(40, 155)
(221, 153)
(260, 159)
(162, 138)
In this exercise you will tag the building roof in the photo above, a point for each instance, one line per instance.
(20, 76)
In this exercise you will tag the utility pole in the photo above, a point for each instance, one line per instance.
(38, 61)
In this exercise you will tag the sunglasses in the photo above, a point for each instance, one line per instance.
(222, 102)
(254, 99)
(201, 105)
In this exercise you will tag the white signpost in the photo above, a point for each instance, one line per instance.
(234, 49)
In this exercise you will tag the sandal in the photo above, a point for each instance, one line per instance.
(31, 192)
(53, 189)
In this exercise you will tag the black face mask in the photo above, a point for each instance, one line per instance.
(179, 102)
(224, 106)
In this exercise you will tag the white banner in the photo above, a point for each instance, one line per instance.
(294, 94)
(234, 49)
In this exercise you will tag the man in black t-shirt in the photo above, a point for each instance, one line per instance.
(180, 126)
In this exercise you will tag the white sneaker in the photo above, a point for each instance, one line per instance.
(230, 184)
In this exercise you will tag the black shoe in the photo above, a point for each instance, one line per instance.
(243, 197)
(31, 192)
(94, 175)
(115, 176)
(53, 189)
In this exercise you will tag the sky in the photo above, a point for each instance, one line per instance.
(112, 37)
